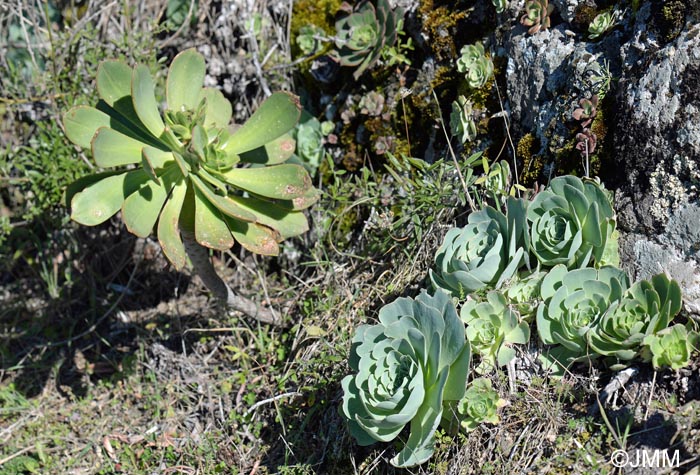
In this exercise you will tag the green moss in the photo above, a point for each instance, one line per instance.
(440, 26)
(669, 18)
(532, 164)
(313, 12)
(584, 15)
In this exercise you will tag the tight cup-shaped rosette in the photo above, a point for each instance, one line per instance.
(410, 363)
(361, 35)
(493, 327)
(183, 167)
(645, 309)
(572, 223)
(483, 254)
(672, 347)
(573, 303)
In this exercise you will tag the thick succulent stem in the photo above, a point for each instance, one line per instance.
(199, 256)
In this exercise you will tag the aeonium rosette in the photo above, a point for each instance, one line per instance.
(406, 366)
(573, 303)
(645, 309)
(483, 254)
(572, 222)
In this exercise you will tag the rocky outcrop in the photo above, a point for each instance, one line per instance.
(651, 61)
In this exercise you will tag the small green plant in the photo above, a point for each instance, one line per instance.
(492, 327)
(671, 347)
(477, 67)
(309, 39)
(393, 55)
(310, 141)
(572, 222)
(485, 253)
(189, 176)
(500, 5)
(587, 110)
(410, 363)
(573, 303)
(524, 294)
(480, 404)
(601, 24)
(496, 182)
(364, 32)
(645, 309)
(462, 122)
(536, 15)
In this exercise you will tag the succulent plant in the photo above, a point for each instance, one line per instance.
(587, 110)
(480, 404)
(309, 142)
(536, 15)
(485, 253)
(524, 294)
(571, 222)
(362, 34)
(645, 309)
(474, 63)
(184, 169)
(500, 5)
(462, 122)
(573, 303)
(410, 363)
(671, 347)
(308, 39)
(586, 142)
(600, 24)
(492, 327)
(372, 104)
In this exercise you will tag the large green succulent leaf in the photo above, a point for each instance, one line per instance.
(141, 209)
(223, 203)
(287, 223)
(277, 115)
(272, 153)
(168, 229)
(112, 149)
(81, 124)
(421, 441)
(114, 82)
(144, 100)
(218, 108)
(185, 79)
(254, 237)
(114, 87)
(210, 229)
(83, 182)
(284, 182)
(101, 200)
(311, 196)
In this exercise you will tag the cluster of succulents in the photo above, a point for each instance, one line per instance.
(559, 268)
(536, 15)
(549, 261)
(364, 32)
(462, 123)
(184, 168)
(475, 65)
